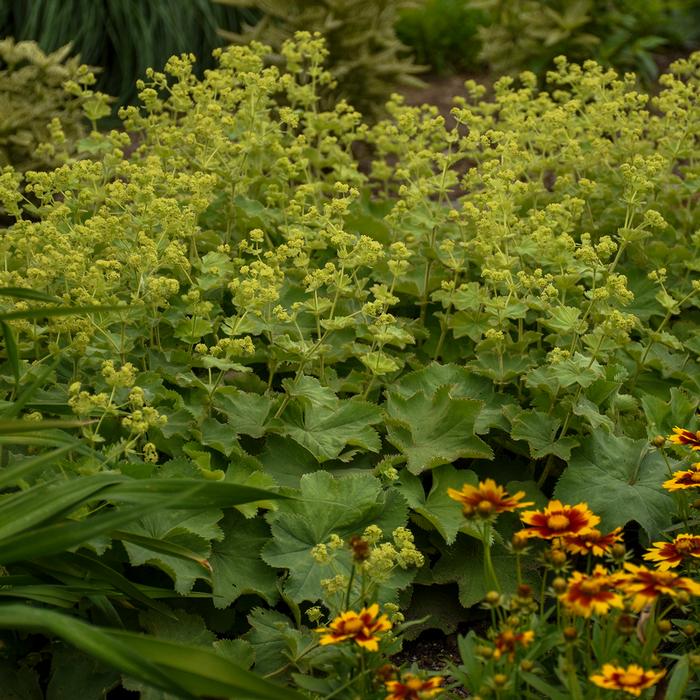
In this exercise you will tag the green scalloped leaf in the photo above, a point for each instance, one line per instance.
(435, 430)
(236, 564)
(620, 479)
(540, 432)
(443, 513)
(326, 505)
(325, 429)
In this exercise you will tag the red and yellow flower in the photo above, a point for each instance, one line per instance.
(592, 542)
(508, 641)
(487, 500)
(411, 687)
(681, 436)
(592, 593)
(643, 586)
(364, 628)
(633, 679)
(671, 554)
(559, 520)
(684, 479)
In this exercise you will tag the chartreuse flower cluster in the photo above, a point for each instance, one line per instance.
(616, 620)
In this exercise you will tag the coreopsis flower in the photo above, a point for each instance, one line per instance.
(643, 586)
(411, 687)
(507, 642)
(670, 554)
(593, 542)
(364, 628)
(684, 479)
(633, 679)
(559, 520)
(487, 500)
(591, 593)
(681, 436)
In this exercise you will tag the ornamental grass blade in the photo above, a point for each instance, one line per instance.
(33, 295)
(95, 641)
(57, 311)
(101, 572)
(41, 503)
(202, 494)
(163, 547)
(184, 670)
(203, 672)
(12, 352)
(19, 471)
(57, 537)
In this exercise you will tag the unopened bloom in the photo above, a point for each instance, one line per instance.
(412, 687)
(558, 520)
(593, 542)
(681, 436)
(633, 679)
(644, 586)
(671, 554)
(507, 642)
(684, 479)
(591, 593)
(364, 628)
(486, 500)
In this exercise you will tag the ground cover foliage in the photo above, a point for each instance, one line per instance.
(308, 330)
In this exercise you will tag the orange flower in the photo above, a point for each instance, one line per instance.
(591, 593)
(411, 687)
(643, 585)
(633, 679)
(685, 479)
(558, 520)
(593, 542)
(488, 500)
(682, 436)
(671, 554)
(362, 627)
(508, 641)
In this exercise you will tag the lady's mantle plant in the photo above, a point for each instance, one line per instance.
(368, 316)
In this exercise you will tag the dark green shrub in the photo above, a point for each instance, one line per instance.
(122, 36)
(442, 34)
(365, 58)
(529, 34)
(36, 108)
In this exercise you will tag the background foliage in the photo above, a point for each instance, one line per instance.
(36, 108)
(627, 34)
(365, 58)
(123, 37)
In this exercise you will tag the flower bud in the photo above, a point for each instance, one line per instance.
(500, 679)
(484, 651)
(690, 629)
(683, 597)
(658, 441)
(527, 665)
(618, 551)
(519, 542)
(626, 625)
(570, 633)
(559, 585)
(360, 548)
(524, 591)
(492, 598)
(557, 557)
(663, 627)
